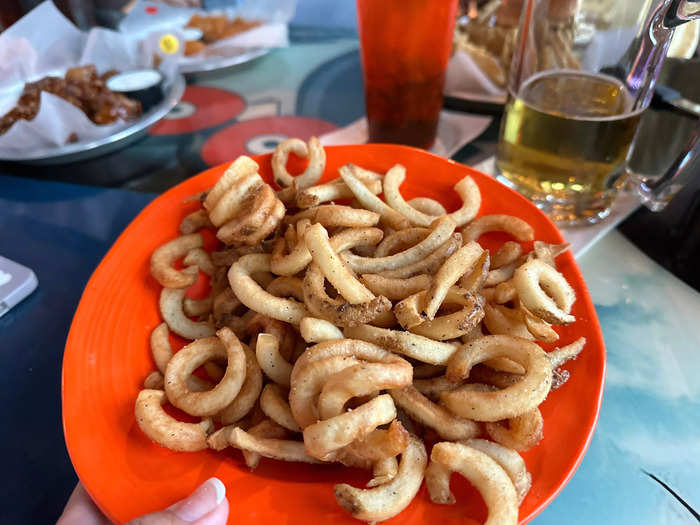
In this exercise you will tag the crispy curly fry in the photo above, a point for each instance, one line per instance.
(285, 334)
(548, 252)
(325, 437)
(256, 217)
(386, 501)
(191, 357)
(154, 381)
(315, 330)
(275, 406)
(545, 292)
(406, 343)
(381, 444)
(559, 356)
(245, 401)
(502, 274)
(254, 297)
(459, 263)
(195, 221)
(298, 257)
(361, 380)
(265, 429)
(287, 287)
(315, 366)
(514, 400)
(504, 292)
(333, 215)
(485, 474)
(432, 387)
(197, 307)
(428, 206)
(241, 166)
(539, 328)
(521, 433)
(332, 191)
(469, 192)
(171, 309)
(437, 481)
(474, 280)
(200, 258)
(430, 264)
(160, 346)
(384, 471)
(271, 361)
(466, 189)
(510, 224)
(337, 311)
(396, 289)
(506, 254)
(333, 269)
(444, 327)
(370, 201)
(440, 233)
(500, 319)
(423, 410)
(510, 461)
(166, 430)
(245, 187)
(165, 256)
(313, 151)
(280, 449)
(400, 240)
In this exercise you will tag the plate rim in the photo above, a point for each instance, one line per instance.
(219, 63)
(595, 328)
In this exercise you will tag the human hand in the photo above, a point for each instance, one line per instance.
(207, 505)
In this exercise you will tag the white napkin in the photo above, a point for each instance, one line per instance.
(45, 43)
(454, 131)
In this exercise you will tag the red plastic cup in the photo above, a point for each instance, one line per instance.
(405, 46)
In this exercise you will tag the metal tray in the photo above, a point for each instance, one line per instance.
(216, 62)
(85, 150)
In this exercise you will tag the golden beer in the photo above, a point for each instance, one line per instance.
(564, 140)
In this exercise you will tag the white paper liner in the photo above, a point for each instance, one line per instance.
(45, 43)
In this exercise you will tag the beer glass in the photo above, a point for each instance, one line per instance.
(576, 91)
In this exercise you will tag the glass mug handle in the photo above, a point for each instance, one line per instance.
(656, 192)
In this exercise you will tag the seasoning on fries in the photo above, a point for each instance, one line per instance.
(352, 332)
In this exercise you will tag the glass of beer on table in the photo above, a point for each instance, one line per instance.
(574, 103)
(405, 45)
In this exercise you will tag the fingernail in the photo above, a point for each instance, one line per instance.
(220, 489)
(202, 501)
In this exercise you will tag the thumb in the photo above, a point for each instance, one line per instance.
(207, 505)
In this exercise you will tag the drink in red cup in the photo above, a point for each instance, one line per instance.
(405, 46)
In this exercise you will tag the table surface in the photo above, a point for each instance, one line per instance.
(646, 445)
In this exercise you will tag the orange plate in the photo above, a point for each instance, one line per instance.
(107, 358)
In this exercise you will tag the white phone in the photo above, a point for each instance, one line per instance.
(16, 283)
